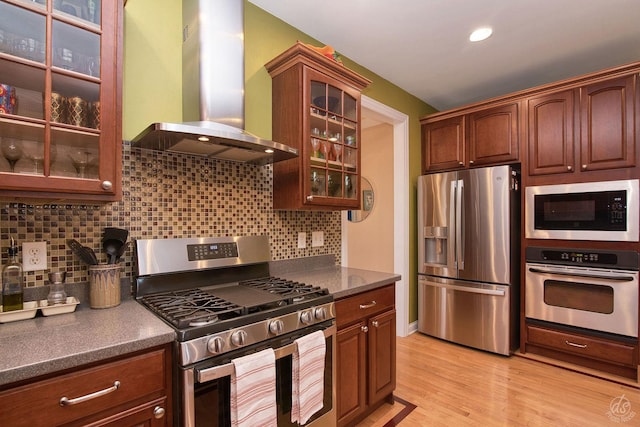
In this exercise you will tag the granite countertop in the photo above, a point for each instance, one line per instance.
(42, 345)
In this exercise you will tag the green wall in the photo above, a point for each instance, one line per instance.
(152, 76)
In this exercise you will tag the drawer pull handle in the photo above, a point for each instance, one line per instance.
(68, 402)
(365, 306)
(572, 344)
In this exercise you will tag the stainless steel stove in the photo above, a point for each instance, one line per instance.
(218, 295)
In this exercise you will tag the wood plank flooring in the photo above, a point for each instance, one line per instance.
(454, 385)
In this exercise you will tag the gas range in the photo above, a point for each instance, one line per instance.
(217, 294)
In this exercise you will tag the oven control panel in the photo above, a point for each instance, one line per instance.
(204, 251)
(601, 258)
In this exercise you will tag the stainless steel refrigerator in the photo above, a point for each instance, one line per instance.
(469, 257)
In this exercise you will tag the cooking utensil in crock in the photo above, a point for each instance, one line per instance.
(112, 233)
(86, 254)
(112, 249)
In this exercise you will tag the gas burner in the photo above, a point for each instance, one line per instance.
(292, 292)
(190, 308)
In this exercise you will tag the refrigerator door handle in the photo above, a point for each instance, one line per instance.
(460, 225)
(451, 254)
(469, 289)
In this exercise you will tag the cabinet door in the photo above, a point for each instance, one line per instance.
(351, 377)
(607, 123)
(493, 135)
(60, 65)
(443, 144)
(550, 132)
(331, 156)
(382, 356)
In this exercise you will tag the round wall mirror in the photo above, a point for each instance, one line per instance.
(368, 201)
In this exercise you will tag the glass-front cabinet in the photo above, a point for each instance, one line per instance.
(60, 78)
(316, 109)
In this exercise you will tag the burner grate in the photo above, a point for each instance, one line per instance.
(289, 290)
(191, 307)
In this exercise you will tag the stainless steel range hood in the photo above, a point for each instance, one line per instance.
(213, 91)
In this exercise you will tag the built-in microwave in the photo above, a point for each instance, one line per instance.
(583, 211)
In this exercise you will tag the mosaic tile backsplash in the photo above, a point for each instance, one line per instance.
(168, 195)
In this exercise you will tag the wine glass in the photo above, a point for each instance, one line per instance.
(34, 151)
(12, 151)
(81, 159)
(315, 146)
(326, 149)
(337, 150)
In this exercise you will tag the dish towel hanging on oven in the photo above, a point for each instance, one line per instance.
(307, 376)
(253, 390)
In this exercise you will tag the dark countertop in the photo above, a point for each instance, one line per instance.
(44, 345)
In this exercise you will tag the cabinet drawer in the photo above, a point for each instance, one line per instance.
(141, 376)
(591, 347)
(363, 305)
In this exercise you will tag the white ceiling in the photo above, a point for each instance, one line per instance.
(422, 45)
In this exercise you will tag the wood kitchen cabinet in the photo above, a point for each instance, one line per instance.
(60, 61)
(135, 390)
(366, 353)
(480, 138)
(316, 109)
(581, 130)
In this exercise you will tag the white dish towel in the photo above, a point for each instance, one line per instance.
(253, 390)
(308, 376)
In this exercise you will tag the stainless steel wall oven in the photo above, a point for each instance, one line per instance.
(219, 297)
(595, 290)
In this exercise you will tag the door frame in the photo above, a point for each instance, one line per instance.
(400, 122)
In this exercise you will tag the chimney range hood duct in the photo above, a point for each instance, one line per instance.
(213, 91)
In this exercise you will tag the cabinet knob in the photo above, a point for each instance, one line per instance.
(158, 412)
(107, 185)
(470, 162)
(309, 198)
(375, 323)
(461, 163)
(364, 329)
(569, 168)
(584, 167)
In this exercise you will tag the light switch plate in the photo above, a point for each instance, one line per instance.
(302, 240)
(317, 239)
(34, 256)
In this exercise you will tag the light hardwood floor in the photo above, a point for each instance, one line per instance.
(457, 386)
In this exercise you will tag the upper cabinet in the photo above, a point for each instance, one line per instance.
(316, 109)
(60, 99)
(480, 138)
(577, 131)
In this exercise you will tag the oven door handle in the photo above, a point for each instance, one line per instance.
(611, 276)
(217, 372)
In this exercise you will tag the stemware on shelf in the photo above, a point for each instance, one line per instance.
(12, 151)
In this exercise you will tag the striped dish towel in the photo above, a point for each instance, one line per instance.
(253, 390)
(308, 377)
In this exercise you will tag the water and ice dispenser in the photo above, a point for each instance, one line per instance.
(435, 245)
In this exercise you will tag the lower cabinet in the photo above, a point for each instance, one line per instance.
(366, 353)
(134, 390)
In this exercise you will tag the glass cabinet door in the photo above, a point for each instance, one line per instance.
(50, 90)
(333, 142)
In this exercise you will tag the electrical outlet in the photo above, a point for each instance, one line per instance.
(302, 240)
(317, 239)
(34, 256)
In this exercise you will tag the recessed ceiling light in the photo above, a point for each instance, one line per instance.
(480, 34)
(203, 138)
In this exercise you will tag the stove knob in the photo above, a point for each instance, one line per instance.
(276, 327)
(215, 345)
(239, 338)
(320, 313)
(306, 317)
